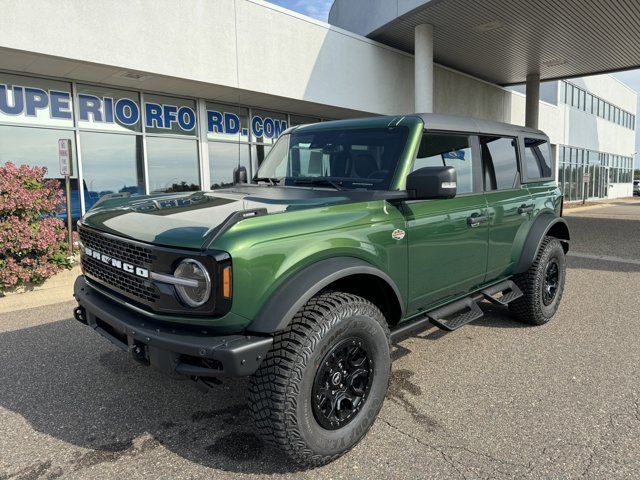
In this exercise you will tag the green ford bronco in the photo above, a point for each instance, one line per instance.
(350, 234)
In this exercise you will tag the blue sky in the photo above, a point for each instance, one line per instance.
(320, 9)
(314, 8)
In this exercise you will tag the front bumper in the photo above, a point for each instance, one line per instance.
(172, 349)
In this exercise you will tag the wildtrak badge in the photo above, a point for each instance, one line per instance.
(114, 262)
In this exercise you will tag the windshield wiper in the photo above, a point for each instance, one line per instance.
(319, 181)
(271, 180)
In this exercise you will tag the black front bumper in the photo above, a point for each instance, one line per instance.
(169, 348)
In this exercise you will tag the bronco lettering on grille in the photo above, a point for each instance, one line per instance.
(115, 263)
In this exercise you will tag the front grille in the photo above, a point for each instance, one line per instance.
(123, 282)
(120, 249)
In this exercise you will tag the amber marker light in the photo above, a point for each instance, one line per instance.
(226, 282)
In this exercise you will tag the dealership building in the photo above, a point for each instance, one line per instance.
(160, 96)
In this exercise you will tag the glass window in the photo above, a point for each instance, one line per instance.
(35, 101)
(500, 162)
(38, 147)
(266, 126)
(227, 122)
(258, 153)
(170, 115)
(111, 163)
(111, 109)
(224, 159)
(437, 150)
(363, 158)
(172, 165)
(575, 99)
(538, 158)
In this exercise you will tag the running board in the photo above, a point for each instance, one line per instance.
(503, 293)
(455, 315)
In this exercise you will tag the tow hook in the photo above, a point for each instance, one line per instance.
(80, 314)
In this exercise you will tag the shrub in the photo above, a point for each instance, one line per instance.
(32, 241)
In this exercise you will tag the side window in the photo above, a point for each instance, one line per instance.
(538, 158)
(441, 149)
(499, 162)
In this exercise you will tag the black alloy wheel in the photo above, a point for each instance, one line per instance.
(342, 383)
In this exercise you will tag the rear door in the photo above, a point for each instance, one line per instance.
(509, 203)
(448, 239)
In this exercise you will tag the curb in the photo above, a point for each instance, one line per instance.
(57, 289)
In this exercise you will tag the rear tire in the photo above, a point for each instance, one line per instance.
(542, 285)
(338, 342)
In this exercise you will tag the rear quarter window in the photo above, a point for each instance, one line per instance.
(538, 159)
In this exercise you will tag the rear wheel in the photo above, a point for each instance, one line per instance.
(542, 285)
(320, 388)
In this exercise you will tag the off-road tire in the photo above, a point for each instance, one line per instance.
(530, 308)
(280, 392)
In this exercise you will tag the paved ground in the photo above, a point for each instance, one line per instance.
(494, 399)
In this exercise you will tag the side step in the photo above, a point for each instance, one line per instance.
(455, 315)
(503, 293)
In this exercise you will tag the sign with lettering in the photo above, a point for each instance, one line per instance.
(100, 112)
(64, 155)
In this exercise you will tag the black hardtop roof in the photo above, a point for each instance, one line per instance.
(432, 121)
(456, 123)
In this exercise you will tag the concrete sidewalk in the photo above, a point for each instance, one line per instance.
(55, 290)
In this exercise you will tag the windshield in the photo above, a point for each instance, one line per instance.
(346, 159)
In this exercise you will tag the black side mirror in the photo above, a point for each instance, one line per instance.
(240, 175)
(432, 183)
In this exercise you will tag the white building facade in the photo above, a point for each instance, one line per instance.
(157, 97)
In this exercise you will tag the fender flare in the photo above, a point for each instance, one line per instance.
(289, 298)
(540, 228)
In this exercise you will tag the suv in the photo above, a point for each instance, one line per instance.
(351, 233)
(636, 187)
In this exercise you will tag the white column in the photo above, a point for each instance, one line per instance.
(424, 69)
(533, 100)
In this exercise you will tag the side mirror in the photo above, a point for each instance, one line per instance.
(432, 183)
(240, 175)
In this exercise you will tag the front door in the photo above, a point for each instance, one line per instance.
(448, 239)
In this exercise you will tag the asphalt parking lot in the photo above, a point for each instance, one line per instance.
(493, 400)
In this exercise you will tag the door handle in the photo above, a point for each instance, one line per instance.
(524, 209)
(475, 220)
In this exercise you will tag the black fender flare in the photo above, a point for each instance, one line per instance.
(540, 228)
(289, 298)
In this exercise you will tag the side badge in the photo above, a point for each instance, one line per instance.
(398, 234)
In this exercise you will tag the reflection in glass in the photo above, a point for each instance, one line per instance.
(108, 113)
(164, 115)
(172, 165)
(224, 158)
(263, 131)
(222, 120)
(111, 163)
(502, 155)
(258, 154)
(38, 147)
(57, 105)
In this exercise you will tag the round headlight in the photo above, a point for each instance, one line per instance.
(194, 296)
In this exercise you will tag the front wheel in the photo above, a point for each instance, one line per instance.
(542, 285)
(320, 388)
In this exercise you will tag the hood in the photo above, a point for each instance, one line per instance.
(189, 220)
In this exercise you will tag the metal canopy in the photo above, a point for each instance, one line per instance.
(502, 41)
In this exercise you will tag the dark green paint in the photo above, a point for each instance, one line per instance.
(441, 258)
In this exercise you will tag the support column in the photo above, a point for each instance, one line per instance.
(533, 100)
(424, 69)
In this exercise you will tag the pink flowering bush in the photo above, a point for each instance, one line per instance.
(32, 242)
